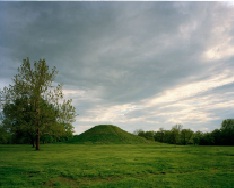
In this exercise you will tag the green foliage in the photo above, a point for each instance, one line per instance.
(33, 106)
(197, 137)
(116, 165)
(176, 132)
(227, 129)
(177, 135)
(149, 135)
(107, 134)
(227, 124)
(186, 136)
(5, 137)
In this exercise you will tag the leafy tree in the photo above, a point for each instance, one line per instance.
(227, 124)
(197, 137)
(17, 120)
(227, 131)
(186, 136)
(4, 135)
(168, 137)
(137, 131)
(149, 135)
(140, 132)
(217, 136)
(207, 139)
(177, 135)
(34, 104)
(176, 131)
(159, 135)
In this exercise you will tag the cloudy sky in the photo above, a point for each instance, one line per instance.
(137, 65)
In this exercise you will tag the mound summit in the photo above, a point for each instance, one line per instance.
(107, 134)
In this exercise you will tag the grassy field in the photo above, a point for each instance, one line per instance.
(116, 165)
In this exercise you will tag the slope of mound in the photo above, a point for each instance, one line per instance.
(107, 134)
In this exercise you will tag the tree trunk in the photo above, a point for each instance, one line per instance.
(38, 139)
(37, 127)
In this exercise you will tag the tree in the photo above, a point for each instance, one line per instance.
(18, 121)
(186, 136)
(227, 124)
(4, 135)
(227, 131)
(216, 135)
(149, 135)
(35, 104)
(207, 139)
(140, 132)
(168, 137)
(137, 131)
(197, 137)
(176, 131)
(159, 135)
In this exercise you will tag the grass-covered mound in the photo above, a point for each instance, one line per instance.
(107, 134)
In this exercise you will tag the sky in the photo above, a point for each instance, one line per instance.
(136, 65)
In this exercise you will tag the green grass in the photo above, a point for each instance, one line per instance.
(116, 165)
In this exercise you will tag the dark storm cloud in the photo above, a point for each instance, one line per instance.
(115, 56)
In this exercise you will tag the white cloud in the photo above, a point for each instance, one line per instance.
(220, 51)
(111, 113)
(191, 89)
(220, 43)
(184, 103)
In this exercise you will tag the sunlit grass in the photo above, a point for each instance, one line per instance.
(116, 165)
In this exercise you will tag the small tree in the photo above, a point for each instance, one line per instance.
(159, 135)
(176, 132)
(36, 102)
(149, 135)
(227, 131)
(197, 137)
(186, 136)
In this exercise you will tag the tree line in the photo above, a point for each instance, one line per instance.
(177, 135)
(33, 110)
